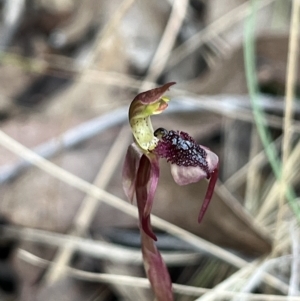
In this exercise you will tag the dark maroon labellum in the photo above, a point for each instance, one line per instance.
(181, 149)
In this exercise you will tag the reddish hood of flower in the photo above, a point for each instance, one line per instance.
(153, 95)
(148, 98)
(141, 108)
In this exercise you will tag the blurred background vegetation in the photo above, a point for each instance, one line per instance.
(68, 72)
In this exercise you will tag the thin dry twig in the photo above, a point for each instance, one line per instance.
(166, 43)
(266, 265)
(231, 110)
(222, 190)
(95, 248)
(295, 265)
(209, 32)
(107, 32)
(239, 177)
(144, 283)
(88, 207)
(70, 138)
(69, 32)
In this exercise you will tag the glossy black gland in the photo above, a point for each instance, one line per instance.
(160, 132)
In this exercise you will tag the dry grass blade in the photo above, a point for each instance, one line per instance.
(236, 15)
(167, 42)
(266, 265)
(70, 138)
(290, 95)
(144, 283)
(96, 249)
(239, 177)
(228, 283)
(88, 207)
(254, 272)
(295, 272)
(107, 31)
(270, 201)
(230, 110)
(113, 159)
(230, 198)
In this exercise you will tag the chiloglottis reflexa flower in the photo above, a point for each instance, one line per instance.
(190, 162)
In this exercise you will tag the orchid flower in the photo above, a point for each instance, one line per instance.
(190, 162)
